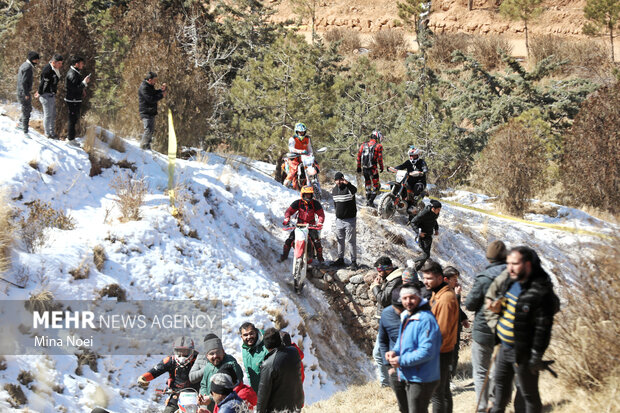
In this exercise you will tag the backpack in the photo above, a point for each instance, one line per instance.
(368, 155)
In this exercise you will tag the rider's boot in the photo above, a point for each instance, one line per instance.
(285, 251)
(287, 183)
(371, 199)
(319, 251)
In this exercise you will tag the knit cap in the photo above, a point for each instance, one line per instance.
(212, 342)
(221, 384)
(409, 275)
(338, 176)
(496, 251)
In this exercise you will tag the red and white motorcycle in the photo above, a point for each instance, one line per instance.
(303, 253)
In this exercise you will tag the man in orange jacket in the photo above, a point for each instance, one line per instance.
(445, 308)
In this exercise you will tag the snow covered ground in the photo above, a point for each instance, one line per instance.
(236, 211)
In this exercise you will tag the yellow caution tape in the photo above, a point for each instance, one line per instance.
(523, 221)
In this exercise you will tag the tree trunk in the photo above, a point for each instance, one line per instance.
(611, 39)
(470, 4)
(527, 44)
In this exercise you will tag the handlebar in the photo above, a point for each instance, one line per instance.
(172, 391)
(292, 227)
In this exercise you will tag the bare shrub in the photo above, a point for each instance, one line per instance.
(86, 358)
(25, 377)
(582, 57)
(40, 217)
(130, 192)
(126, 164)
(34, 164)
(98, 162)
(446, 43)
(349, 39)
(586, 331)
(590, 167)
(6, 233)
(279, 321)
(17, 397)
(41, 302)
(500, 169)
(99, 257)
(51, 169)
(388, 44)
(90, 140)
(117, 143)
(82, 271)
(113, 290)
(488, 50)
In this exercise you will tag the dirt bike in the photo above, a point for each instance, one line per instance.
(307, 171)
(398, 199)
(301, 253)
(188, 399)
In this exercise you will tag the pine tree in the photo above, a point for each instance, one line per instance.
(524, 10)
(307, 8)
(412, 11)
(602, 13)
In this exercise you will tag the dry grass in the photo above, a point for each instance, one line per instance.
(40, 217)
(51, 169)
(25, 377)
(130, 193)
(113, 290)
(90, 140)
(349, 40)
(279, 321)
(388, 44)
(41, 302)
(440, 54)
(87, 358)
(17, 397)
(34, 164)
(82, 271)
(488, 50)
(99, 257)
(585, 58)
(6, 233)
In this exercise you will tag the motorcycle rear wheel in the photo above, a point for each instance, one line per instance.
(386, 207)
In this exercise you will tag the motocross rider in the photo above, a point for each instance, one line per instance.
(417, 169)
(372, 165)
(300, 144)
(178, 367)
(306, 208)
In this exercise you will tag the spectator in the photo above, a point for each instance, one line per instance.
(25, 75)
(416, 352)
(425, 225)
(253, 352)
(223, 395)
(280, 385)
(75, 88)
(245, 392)
(346, 213)
(451, 277)
(48, 86)
(387, 279)
(445, 307)
(526, 306)
(482, 335)
(287, 342)
(148, 97)
(388, 335)
(216, 359)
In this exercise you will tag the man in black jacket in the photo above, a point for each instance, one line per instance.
(280, 387)
(483, 337)
(24, 87)
(75, 88)
(48, 86)
(148, 97)
(346, 213)
(425, 225)
(417, 169)
(526, 310)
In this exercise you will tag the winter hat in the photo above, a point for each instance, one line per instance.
(338, 176)
(496, 251)
(33, 56)
(407, 289)
(409, 275)
(212, 342)
(150, 75)
(229, 370)
(271, 339)
(396, 301)
(435, 203)
(222, 384)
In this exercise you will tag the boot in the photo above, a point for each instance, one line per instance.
(338, 263)
(285, 251)
(371, 199)
(319, 250)
(287, 183)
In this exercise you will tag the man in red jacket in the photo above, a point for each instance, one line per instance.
(370, 158)
(306, 208)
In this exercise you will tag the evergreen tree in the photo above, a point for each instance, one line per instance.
(307, 8)
(602, 13)
(524, 10)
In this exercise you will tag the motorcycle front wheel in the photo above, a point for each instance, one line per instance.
(387, 207)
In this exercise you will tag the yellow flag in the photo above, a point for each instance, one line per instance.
(172, 156)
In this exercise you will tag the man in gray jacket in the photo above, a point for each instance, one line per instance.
(48, 86)
(483, 337)
(25, 76)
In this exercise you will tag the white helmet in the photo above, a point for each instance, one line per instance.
(183, 350)
(414, 152)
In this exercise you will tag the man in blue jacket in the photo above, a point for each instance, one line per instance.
(416, 352)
